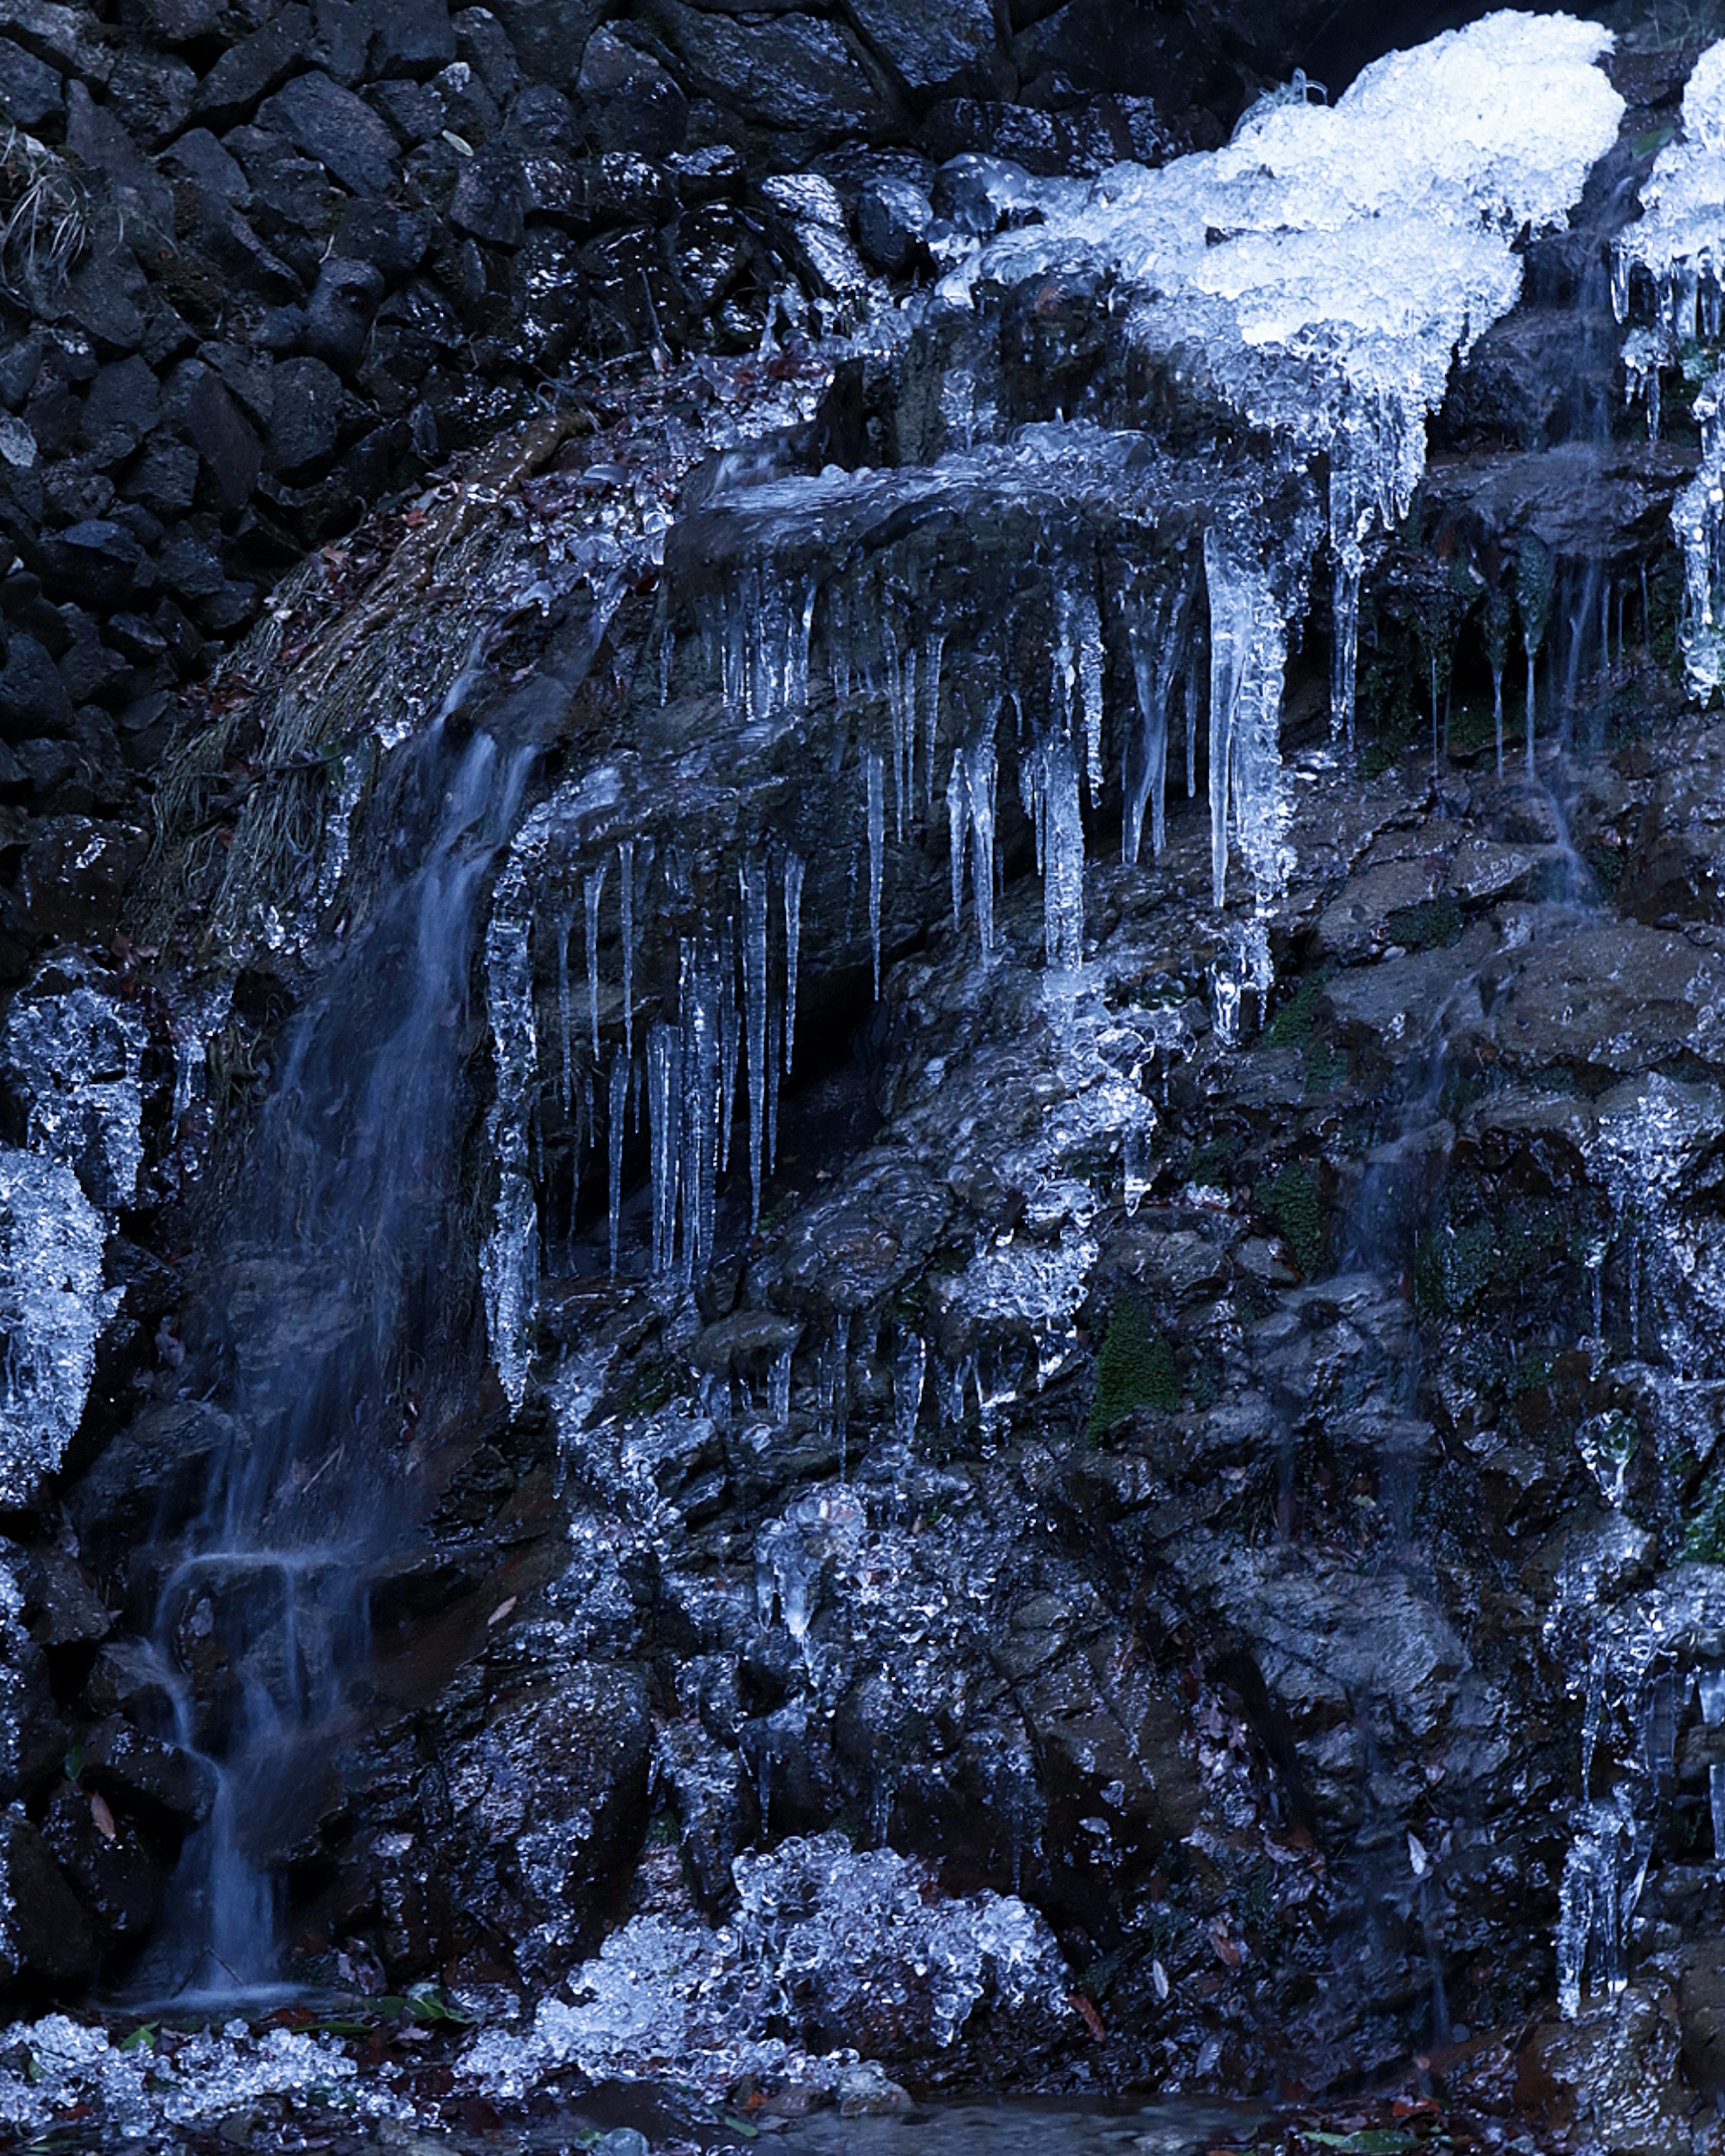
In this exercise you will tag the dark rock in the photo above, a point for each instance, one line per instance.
(429, 174)
(550, 36)
(47, 765)
(47, 1939)
(412, 38)
(158, 1783)
(154, 1472)
(184, 22)
(630, 101)
(549, 1799)
(196, 402)
(311, 414)
(342, 47)
(152, 94)
(23, 606)
(123, 405)
(75, 872)
(542, 118)
(137, 189)
(982, 195)
(190, 569)
(704, 176)
(488, 201)
(713, 250)
(892, 217)
(250, 377)
(106, 293)
(246, 73)
(165, 478)
(108, 1864)
(482, 41)
(61, 1607)
(414, 110)
(413, 328)
(73, 493)
(471, 110)
(393, 241)
(335, 127)
(30, 94)
(291, 195)
(197, 155)
(20, 364)
(32, 697)
(953, 48)
(86, 666)
(797, 81)
(338, 315)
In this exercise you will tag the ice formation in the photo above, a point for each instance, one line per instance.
(825, 1937)
(57, 2067)
(1675, 253)
(1307, 290)
(70, 1057)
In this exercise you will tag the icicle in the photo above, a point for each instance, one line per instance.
(970, 810)
(877, 778)
(909, 1369)
(626, 879)
(1349, 521)
(1535, 570)
(1248, 652)
(699, 1007)
(1063, 877)
(1090, 667)
(1192, 731)
(664, 1089)
(667, 647)
(565, 929)
(1157, 644)
(773, 1026)
(753, 876)
(779, 1389)
(619, 1109)
(595, 884)
(793, 871)
(729, 1040)
(1498, 656)
(934, 646)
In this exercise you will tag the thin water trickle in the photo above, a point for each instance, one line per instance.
(334, 1268)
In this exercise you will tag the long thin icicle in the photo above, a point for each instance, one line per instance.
(664, 1092)
(876, 784)
(1248, 653)
(626, 877)
(795, 867)
(619, 1110)
(595, 887)
(753, 876)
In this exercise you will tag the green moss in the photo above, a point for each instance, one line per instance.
(1530, 1375)
(1704, 1530)
(1212, 1165)
(1292, 1026)
(1291, 1202)
(1135, 1369)
(1433, 925)
(1325, 1067)
(655, 1383)
(1453, 1268)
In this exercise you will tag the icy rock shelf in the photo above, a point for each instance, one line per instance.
(1297, 301)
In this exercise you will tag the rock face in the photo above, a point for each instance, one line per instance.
(1009, 1467)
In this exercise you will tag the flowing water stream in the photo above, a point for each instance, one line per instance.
(338, 1282)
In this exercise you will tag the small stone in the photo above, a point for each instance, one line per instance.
(336, 128)
(123, 405)
(550, 36)
(471, 110)
(412, 38)
(47, 1936)
(892, 216)
(32, 697)
(631, 102)
(482, 41)
(29, 91)
(99, 562)
(311, 410)
(488, 201)
(414, 110)
(246, 73)
(338, 315)
(165, 478)
(152, 94)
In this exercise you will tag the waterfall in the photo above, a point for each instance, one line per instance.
(336, 1291)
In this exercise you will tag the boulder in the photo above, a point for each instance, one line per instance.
(336, 128)
(30, 94)
(953, 48)
(631, 102)
(550, 36)
(45, 1936)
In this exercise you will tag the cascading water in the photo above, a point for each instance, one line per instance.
(336, 1287)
